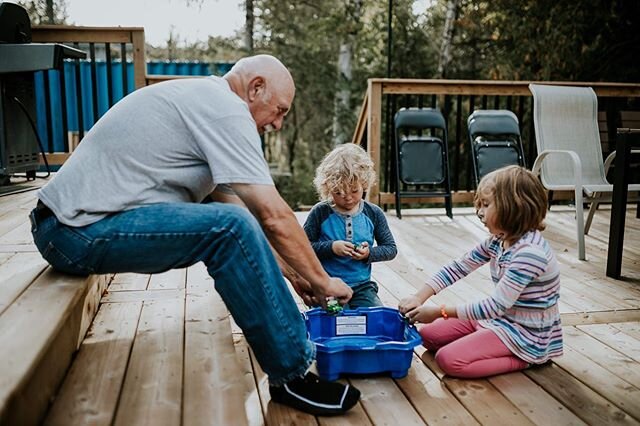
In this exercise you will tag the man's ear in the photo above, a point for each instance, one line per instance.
(256, 87)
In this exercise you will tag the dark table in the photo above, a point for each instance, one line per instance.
(626, 140)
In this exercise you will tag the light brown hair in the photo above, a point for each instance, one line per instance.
(520, 200)
(343, 168)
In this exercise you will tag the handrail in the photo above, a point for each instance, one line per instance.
(75, 34)
(68, 34)
(371, 118)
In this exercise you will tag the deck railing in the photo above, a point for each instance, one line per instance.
(127, 44)
(618, 104)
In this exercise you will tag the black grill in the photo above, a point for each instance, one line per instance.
(19, 60)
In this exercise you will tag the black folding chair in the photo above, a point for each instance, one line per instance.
(421, 159)
(495, 141)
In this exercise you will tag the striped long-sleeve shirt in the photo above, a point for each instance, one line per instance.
(523, 309)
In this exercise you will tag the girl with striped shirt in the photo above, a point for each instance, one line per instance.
(519, 324)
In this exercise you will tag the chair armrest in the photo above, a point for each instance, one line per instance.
(612, 156)
(577, 164)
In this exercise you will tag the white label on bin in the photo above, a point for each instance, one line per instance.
(351, 325)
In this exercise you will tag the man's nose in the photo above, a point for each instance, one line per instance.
(277, 123)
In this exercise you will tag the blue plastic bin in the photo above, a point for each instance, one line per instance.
(362, 341)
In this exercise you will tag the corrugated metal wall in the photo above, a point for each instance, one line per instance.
(55, 97)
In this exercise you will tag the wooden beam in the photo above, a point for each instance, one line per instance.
(494, 87)
(374, 130)
(74, 34)
(139, 63)
(361, 124)
(601, 317)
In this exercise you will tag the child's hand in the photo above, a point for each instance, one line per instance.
(362, 252)
(424, 314)
(408, 304)
(343, 248)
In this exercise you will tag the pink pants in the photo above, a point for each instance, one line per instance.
(468, 351)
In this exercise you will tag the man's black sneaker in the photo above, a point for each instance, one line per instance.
(316, 396)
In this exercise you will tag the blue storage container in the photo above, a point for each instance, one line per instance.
(362, 341)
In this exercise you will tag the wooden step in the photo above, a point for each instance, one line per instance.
(43, 317)
(39, 332)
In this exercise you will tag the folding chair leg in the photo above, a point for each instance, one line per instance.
(592, 211)
(448, 206)
(398, 213)
(580, 224)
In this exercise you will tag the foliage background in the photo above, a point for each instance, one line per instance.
(577, 40)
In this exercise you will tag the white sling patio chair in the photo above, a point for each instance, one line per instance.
(569, 150)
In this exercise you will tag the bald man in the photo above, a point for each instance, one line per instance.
(130, 199)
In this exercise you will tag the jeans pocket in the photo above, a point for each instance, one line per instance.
(61, 262)
(72, 252)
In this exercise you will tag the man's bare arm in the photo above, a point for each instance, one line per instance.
(225, 194)
(289, 240)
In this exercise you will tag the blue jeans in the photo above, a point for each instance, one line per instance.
(225, 237)
(365, 295)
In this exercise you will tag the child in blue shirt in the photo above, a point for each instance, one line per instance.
(343, 227)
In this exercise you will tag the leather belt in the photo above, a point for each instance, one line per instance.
(42, 211)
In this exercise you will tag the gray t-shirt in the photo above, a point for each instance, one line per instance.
(166, 143)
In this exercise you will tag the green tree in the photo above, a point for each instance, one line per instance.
(46, 11)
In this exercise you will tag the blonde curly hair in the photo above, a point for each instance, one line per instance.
(344, 167)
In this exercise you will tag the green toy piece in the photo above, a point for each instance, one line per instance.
(333, 307)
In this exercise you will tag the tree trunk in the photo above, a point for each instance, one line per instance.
(342, 98)
(447, 37)
(50, 16)
(343, 93)
(248, 28)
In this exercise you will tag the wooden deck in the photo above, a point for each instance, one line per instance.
(162, 349)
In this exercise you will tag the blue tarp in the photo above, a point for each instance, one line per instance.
(55, 101)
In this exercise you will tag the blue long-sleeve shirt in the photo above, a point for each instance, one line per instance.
(324, 225)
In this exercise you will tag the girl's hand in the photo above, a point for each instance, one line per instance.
(343, 248)
(423, 314)
(408, 304)
(362, 253)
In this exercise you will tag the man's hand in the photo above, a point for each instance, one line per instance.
(336, 288)
(304, 290)
(423, 314)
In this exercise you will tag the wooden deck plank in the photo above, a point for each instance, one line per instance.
(539, 407)
(172, 279)
(213, 390)
(486, 403)
(143, 295)
(16, 274)
(608, 356)
(583, 401)
(152, 391)
(129, 281)
(623, 337)
(385, 403)
(431, 398)
(252, 404)
(91, 389)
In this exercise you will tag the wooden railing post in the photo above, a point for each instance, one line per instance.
(139, 63)
(374, 130)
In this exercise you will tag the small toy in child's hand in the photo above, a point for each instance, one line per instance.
(333, 307)
(358, 246)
